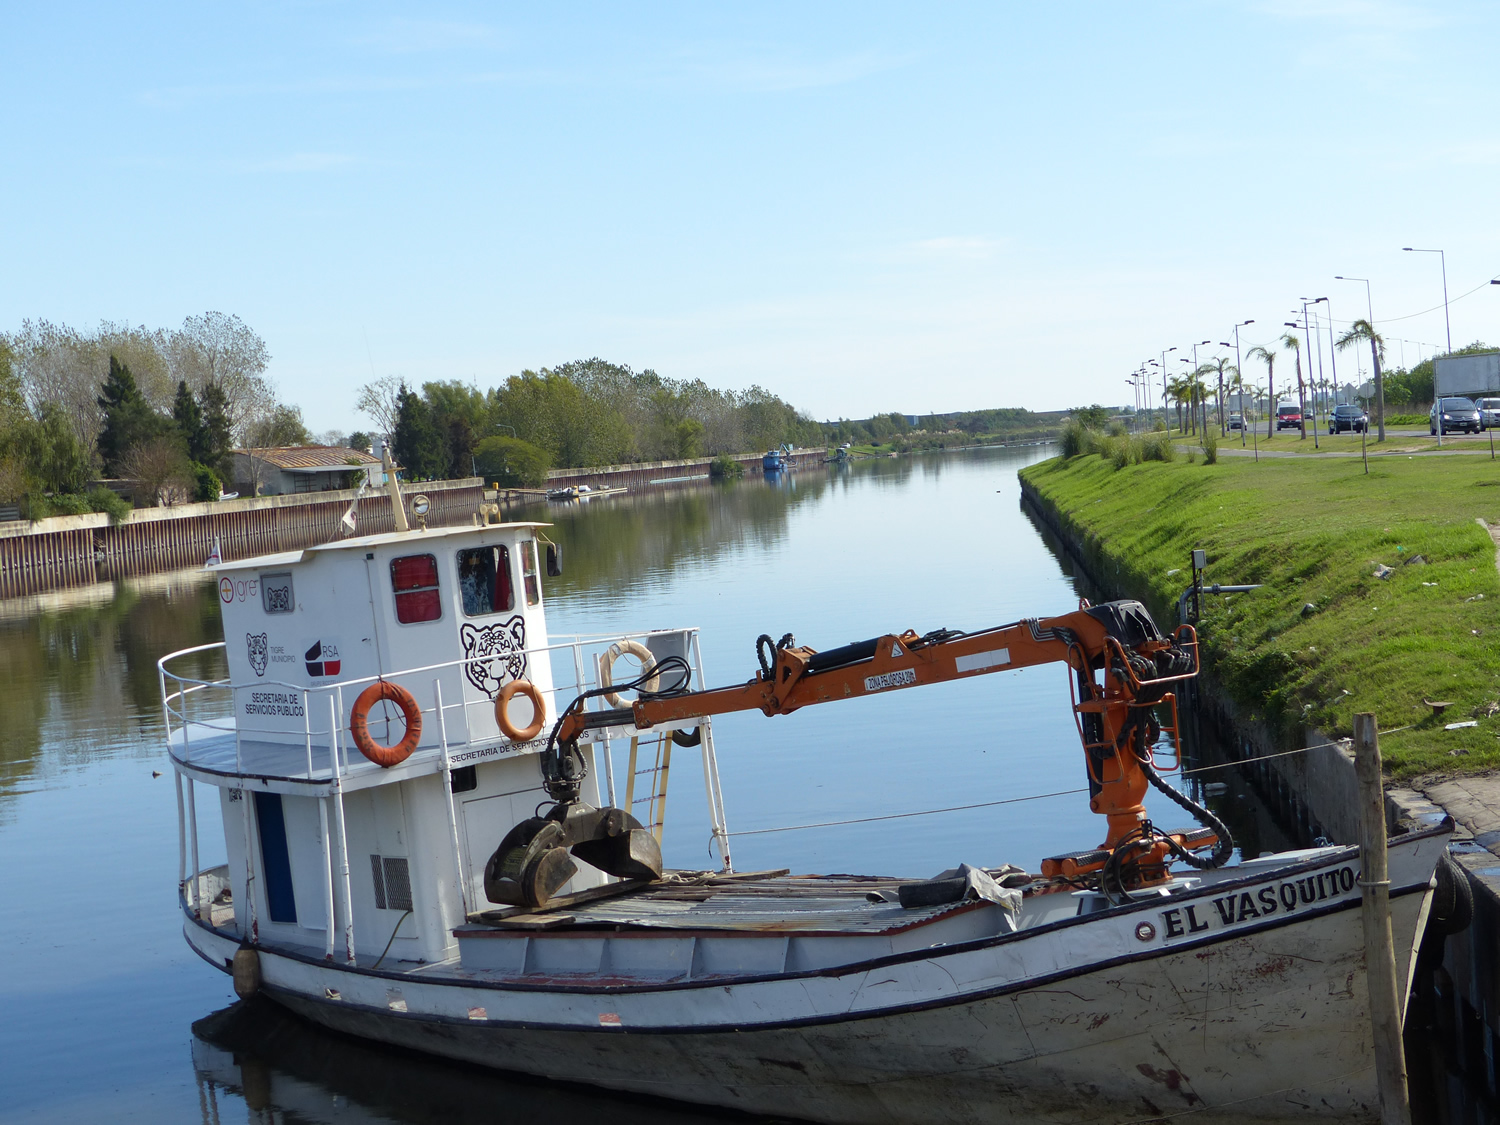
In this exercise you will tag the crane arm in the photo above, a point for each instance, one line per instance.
(1123, 668)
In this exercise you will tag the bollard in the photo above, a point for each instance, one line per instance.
(1380, 952)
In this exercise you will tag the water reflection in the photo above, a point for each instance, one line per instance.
(285, 1070)
(79, 669)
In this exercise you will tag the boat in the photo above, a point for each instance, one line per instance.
(428, 847)
(774, 460)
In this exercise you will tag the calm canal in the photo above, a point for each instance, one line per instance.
(100, 994)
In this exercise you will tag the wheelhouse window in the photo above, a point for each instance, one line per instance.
(484, 580)
(414, 580)
(528, 572)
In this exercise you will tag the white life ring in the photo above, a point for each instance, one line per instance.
(607, 668)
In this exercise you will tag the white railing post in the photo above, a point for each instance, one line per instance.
(458, 861)
(609, 754)
(347, 919)
(716, 815)
(181, 834)
(192, 823)
(329, 922)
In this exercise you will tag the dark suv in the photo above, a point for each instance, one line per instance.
(1348, 417)
(1454, 414)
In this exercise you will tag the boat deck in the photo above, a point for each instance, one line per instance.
(696, 926)
(209, 749)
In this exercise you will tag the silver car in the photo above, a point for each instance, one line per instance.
(1489, 411)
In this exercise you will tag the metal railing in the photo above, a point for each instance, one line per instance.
(184, 700)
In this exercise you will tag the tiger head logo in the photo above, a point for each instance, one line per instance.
(494, 654)
(260, 652)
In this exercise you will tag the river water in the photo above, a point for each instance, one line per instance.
(99, 993)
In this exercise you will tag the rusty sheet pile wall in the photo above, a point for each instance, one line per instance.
(77, 550)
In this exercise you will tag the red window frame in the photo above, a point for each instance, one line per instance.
(414, 581)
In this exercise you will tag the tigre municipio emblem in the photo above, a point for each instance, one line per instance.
(260, 652)
(494, 654)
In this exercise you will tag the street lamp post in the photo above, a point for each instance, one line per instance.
(1164, 379)
(1442, 258)
(1305, 304)
(1301, 397)
(1241, 372)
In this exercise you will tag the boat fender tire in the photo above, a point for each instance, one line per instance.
(245, 969)
(688, 737)
(502, 711)
(359, 723)
(607, 669)
(1452, 898)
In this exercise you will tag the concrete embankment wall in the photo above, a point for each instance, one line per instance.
(1453, 1024)
(647, 473)
(76, 550)
(1322, 779)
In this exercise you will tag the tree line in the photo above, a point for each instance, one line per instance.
(161, 407)
(581, 414)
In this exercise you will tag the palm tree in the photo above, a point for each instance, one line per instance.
(1269, 359)
(1177, 391)
(1364, 330)
(1219, 366)
(1291, 342)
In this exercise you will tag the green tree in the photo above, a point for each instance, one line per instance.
(129, 420)
(1269, 359)
(415, 443)
(1094, 417)
(512, 462)
(1362, 330)
(189, 418)
(361, 441)
(214, 434)
(280, 427)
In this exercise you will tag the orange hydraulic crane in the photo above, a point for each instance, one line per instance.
(1123, 669)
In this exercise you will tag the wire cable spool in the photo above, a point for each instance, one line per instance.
(645, 684)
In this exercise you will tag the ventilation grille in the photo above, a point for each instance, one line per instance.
(392, 878)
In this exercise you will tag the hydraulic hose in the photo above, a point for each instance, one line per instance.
(1222, 850)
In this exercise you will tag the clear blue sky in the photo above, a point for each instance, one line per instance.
(860, 207)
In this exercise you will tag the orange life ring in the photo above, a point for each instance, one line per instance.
(502, 710)
(359, 728)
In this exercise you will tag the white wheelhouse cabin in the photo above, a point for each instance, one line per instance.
(327, 850)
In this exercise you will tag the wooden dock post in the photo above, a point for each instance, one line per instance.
(1380, 952)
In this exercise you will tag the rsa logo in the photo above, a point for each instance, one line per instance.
(322, 658)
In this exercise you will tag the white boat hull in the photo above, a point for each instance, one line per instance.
(1232, 1010)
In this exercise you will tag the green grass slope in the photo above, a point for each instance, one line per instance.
(1314, 532)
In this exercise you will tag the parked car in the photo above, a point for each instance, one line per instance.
(1288, 417)
(1236, 421)
(1489, 411)
(1454, 414)
(1348, 417)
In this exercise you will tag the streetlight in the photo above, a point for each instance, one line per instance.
(1443, 258)
(1305, 303)
(1241, 372)
(1301, 400)
(1374, 359)
(1163, 367)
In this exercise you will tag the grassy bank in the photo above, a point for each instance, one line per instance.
(1314, 531)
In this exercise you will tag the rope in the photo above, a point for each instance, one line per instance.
(903, 815)
(1033, 797)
